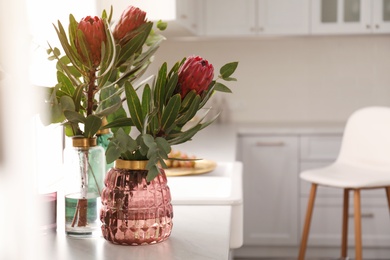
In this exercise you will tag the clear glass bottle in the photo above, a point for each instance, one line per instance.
(103, 139)
(85, 164)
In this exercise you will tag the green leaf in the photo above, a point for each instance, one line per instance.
(164, 146)
(143, 149)
(66, 84)
(135, 44)
(77, 96)
(175, 68)
(190, 112)
(74, 117)
(134, 106)
(153, 172)
(171, 86)
(56, 114)
(92, 125)
(228, 69)
(121, 122)
(146, 97)
(230, 79)
(221, 87)
(159, 94)
(72, 29)
(67, 103)
(171, 111)
(188, 100)
(117, 146)
(107, 111)
(185, 136)
(120, 114)
(70, 52)
(87, 61)
(148, 140)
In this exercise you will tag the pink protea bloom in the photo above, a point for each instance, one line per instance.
(95, 35)
(130, 20)
(196, 74)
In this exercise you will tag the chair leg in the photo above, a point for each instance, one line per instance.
(344, 236)
(306, 228)
(388, 196)
(358, 225)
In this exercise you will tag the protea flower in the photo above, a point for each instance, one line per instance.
(196, 74)
(95, 35)
(130, 20)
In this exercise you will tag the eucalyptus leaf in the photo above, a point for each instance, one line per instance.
(66, 84)
(221, 87)
(74, 117)
(92, 125)
(67, 103)
(153, 172)
(163, 145)
(228, 69)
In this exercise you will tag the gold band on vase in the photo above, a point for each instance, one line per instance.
(83, 142)
(130, 164)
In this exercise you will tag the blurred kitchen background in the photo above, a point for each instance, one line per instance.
(300, 61)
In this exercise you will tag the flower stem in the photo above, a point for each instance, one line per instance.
(92, 89)
(82, 204)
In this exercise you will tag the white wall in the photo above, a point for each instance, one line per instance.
(295, 79)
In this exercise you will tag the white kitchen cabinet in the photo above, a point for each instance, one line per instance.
(270, 189)
(189, 15)
(283, 17)
(229, 17)
(350, 16)
(380, 16)
(249, 17)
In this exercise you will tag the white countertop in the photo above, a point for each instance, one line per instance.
(199, 233)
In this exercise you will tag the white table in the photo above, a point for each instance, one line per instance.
(199, 232)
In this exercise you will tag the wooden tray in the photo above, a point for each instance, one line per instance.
(201, 167)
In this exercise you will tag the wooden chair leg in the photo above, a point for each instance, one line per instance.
(388, 196)
(344, 235)
(358, 225)
(306, 228)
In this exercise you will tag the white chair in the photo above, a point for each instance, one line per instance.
(363, 163)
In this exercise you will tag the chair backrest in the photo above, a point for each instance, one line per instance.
(366, 140)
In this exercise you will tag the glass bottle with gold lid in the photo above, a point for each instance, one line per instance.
(85, 167)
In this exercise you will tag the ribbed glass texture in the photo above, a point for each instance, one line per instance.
(134, 211)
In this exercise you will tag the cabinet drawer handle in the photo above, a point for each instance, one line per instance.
(270, 144)
(363, 215)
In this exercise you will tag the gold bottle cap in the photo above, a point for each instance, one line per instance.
(84, 142)
(130, 164)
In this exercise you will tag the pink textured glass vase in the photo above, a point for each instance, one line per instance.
(134, 211)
